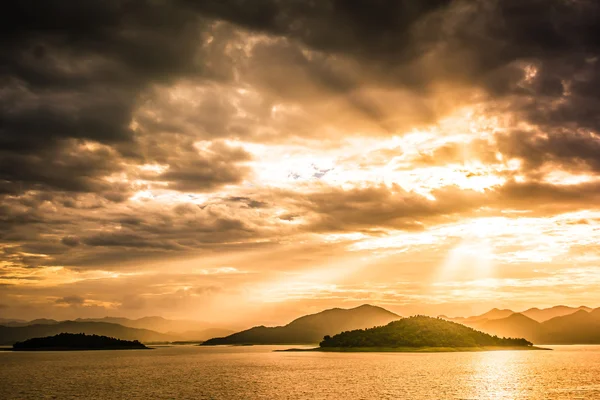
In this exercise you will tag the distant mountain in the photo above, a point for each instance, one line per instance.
(537, 314)
(312, 328)
(10, 335)
(545, 314)
(580, 327)
(496, 313)
(5, 321)
(203, 334)
(179, 330)
(158, 324)
(476, 320)
(418, 331)
(40, 321)
(515, 325)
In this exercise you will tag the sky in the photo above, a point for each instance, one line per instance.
(251, 161)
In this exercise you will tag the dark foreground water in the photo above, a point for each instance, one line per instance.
(188, 372)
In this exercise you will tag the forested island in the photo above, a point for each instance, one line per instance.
(76, 341)
(420, 333)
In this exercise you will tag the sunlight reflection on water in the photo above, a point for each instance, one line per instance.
(188, 372)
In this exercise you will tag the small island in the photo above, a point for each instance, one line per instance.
(76, 341)
(418, 334)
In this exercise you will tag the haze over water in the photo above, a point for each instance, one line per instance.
(192, 372)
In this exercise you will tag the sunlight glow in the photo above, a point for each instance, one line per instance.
(471, 259)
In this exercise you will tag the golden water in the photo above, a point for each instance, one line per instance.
(189, 372)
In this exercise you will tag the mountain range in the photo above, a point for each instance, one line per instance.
(312, 328)
(13, 334)
(556, 325)
(147, 329)
(536, 314)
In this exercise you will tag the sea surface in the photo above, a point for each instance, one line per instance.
(256, 372)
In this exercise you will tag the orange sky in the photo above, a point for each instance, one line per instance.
(227, 167)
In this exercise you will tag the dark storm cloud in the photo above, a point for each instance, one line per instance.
(355, 45)
(75, 75)
(72, 75)
(73, 72)
(563, 148)
(216, 166)
(548, 198)
(69, 167)
(369, 29)
(70, 241)
(380, 207)
(536, 59)
(71, 300)
(376, 208)
(45, 233)
(118, 239)
(539, 61)
(248, 201)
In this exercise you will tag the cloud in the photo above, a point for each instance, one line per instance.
(71, 300)
(70, 241)
(71, 88)
(379, 207)
(191, 170)
(571, 150)
(136, 136)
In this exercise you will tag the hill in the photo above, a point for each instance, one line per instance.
(204, 334)
(516, 325)
(536, 314)
(10, 335)
(158, 324)
(20, 322)
(10, 321)
(496, 313)
(475, 320)
(419, 331)
(311, 328)
(580, 327)
(79, 341)
(545, 314)
(180, 330)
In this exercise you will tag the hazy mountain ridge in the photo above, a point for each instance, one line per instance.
(312, 328)
(154, 323)
(537, 314)
(10, 335)
(580, 327)
(555, 325)
(17, 322)
(175, 329)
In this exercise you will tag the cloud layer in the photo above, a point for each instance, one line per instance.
(202, 154)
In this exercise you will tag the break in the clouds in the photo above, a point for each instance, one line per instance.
(185, 158)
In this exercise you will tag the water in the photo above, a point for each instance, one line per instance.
(189, 372)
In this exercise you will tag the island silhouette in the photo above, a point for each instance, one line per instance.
(76, 341)
(419, 333)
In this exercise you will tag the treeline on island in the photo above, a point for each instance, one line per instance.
(419, 331)
(77, 341)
